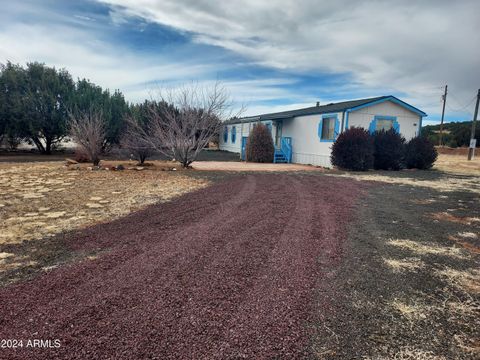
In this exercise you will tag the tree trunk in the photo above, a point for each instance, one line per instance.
(48, 146)
(38, 144)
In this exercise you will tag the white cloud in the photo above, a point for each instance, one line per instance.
(84, 56)
(409, 46)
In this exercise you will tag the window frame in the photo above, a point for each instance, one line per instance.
(233, 134)
(336, 127)
(373, 124)
(225, 134)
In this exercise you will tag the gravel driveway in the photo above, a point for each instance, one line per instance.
(227, 272)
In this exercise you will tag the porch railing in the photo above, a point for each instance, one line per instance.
(285, 149)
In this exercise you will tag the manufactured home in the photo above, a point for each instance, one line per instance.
(305, 136)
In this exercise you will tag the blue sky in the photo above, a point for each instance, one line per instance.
(271, 56)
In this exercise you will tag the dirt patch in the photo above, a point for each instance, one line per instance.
(44, 199)
(446, 216)
(458, 164)
(405, 290)
(248, 166)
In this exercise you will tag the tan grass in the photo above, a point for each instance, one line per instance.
(427, 248)
(413, 311)
(445, 216)
(44, 199)
(449, 164)
(410, 353)
(407, 264)
(458, 164)
(466, 280)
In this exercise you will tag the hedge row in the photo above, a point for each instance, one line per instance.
(356, 149)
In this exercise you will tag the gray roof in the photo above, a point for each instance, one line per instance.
(323, 109)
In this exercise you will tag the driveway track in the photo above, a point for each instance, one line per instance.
(227, 272)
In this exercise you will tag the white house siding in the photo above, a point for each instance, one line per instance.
(243, 129)
(409, 121)
(306, 145)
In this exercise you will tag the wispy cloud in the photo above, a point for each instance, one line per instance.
(270, 55)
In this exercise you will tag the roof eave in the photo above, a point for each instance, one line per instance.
(393, 99)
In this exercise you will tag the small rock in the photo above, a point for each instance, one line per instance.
(139, 168)
(174, 169)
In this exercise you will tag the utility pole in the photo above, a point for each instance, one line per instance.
(444, 97)
(471, 148)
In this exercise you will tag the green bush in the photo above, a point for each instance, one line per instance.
(389, 150)
(420, 153)
(260, 146)
(353, 150)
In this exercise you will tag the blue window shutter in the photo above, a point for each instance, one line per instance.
(337, 129)
(373, 126)
(320, 129)
(225, 134)
(396, 126)
(234, 134)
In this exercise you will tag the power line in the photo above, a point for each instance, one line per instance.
(463, 107)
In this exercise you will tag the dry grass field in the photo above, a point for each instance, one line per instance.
(458, 164)
(39, 200)
(451, 173)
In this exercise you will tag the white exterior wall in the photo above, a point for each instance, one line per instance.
(306, 145)
(243, 129)
(408, 121)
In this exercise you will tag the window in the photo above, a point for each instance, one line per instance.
(234, 134)
(383, 124)
(225, 134)
(328, 128)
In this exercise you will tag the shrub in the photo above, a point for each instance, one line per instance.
(353, 150)
(420, 153)
(80, 155)
(389, 149)
(260, 146)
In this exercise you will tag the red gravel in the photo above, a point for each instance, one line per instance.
(227, 272)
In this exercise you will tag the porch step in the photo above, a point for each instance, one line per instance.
(279, 158)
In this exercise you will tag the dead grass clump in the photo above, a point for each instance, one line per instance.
(465, 280)
(410, 353)
(427, 248)
(468, 235)
(413, 311)
(445, 216)
(423, 201)
(407, 264)
(466, 245)
(468, 345)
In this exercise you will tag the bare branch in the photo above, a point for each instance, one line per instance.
(188, 118)
(87, 130)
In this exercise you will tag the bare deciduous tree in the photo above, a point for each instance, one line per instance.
(134, 142)
(189, 119)
(87, 130)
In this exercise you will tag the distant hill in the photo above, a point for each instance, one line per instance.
(455, 134)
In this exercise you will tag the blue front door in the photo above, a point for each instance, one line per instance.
(244, 146)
